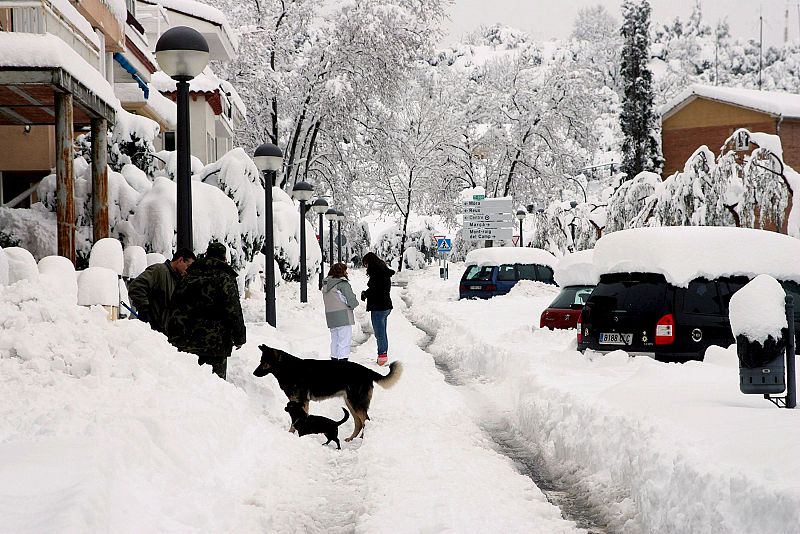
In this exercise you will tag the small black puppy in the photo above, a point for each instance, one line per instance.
(315, 424)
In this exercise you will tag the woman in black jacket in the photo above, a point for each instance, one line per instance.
(379, 302)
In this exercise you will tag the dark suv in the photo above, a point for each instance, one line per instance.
(643, 314)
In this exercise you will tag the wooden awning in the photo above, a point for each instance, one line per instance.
(27, 96)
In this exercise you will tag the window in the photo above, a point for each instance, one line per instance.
(701, 297)
(477, 272)
(211, 149)
(572, 297)
(169, 141)
(526, 272)
(507, 273)
(545, 274)
(742, 142)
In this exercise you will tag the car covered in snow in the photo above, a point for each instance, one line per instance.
(664, 292)
(575, 276)
(494, 271)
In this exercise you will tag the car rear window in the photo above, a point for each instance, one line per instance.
(478, 272)
(572, 295)
(633, 293)
(701, 297)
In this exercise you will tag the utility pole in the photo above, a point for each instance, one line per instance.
(786, 25)
(716, 61)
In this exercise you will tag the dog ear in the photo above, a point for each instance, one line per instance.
(263, 348)
(277, 354)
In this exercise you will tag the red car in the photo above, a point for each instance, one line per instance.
(565, 311)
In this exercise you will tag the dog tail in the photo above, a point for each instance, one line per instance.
(395, 371)
(345, 418)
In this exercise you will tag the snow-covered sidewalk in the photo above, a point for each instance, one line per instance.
(105, 427)
(662, 447)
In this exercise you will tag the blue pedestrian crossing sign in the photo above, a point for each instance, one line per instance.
(444, 245)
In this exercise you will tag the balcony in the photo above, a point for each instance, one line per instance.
(58, 18)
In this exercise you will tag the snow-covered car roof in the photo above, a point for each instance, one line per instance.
(576, 269)
(684, 253)
(510, 255)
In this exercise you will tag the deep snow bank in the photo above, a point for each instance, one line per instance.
(664, 448)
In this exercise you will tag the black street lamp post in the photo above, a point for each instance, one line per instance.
(303, 191)
(331, 216)
(320, 206)
(182, 53)
(269, 159)
(520, 217)
(339, 219)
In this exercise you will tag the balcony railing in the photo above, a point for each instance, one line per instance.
(43, 16)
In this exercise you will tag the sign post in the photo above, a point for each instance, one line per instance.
(444, 246)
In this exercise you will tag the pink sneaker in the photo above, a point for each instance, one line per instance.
(382, 359)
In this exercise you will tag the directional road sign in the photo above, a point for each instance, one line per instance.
(444, 245)
(502, 202)
(488, 225)
(489, 217)
(481, 234)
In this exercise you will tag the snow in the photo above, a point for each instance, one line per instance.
(163, 106)
(510, 255)
(135, 261)
(155, 257)
(59, 272)
(21, 265)
(29, 50)
(205, 82)
(3, 267)
(772, 102)
(683, 254)
(107, 252)
(112, 428)
(769, 141)
(576, 269)
(136, 178)
(73, 16)
(657, 447)
(757, 311)
(98, 286)
(119, 9)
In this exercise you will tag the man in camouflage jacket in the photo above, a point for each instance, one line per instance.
(207, 316)
(151, 291)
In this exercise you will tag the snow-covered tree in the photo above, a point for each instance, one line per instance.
(641, 149)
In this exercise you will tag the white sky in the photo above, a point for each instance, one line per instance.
(546, 19)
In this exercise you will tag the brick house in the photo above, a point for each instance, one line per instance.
(709, 115)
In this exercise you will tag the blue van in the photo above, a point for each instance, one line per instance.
(494, 271)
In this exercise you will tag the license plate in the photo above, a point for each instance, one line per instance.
(616, 339)
(477, 288)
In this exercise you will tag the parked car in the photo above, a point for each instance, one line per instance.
(664, 292)
(575, 276)
(494, 271)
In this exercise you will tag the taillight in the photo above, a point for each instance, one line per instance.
(491, 287)
(665, 330)
(541, 319)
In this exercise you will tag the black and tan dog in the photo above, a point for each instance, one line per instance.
(304, 380)
(306, 424)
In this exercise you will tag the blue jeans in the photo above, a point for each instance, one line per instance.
(379, 319)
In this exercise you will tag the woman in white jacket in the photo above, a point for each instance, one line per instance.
(340, 301)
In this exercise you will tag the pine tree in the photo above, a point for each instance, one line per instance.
(641, 149)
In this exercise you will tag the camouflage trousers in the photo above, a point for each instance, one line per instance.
(219, 364)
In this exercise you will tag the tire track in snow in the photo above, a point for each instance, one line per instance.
(574, 502)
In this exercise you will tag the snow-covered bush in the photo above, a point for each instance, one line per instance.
(107, 253)
(135, 259)
(286, 224)
(21, 265)
(420, 232)
(3, 268)
(237, 176)
(155, 257)
(98, 286)
(59, 273)
(746, 190)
